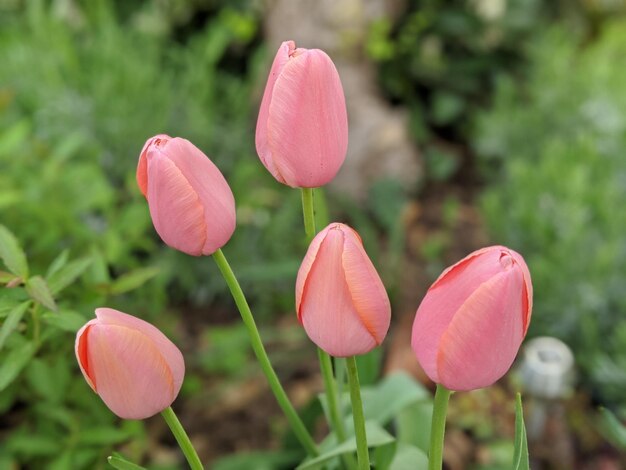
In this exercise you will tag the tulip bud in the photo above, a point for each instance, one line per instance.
(472, 321)
(134, 368)
(340, 299)
(302, 130)
(191, 204)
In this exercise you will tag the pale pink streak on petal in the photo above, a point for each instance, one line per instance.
(326, 309)
(305, 267)
(133, 379)
(264, 151)
(171, 354)
(480, 344)
(211, 188)
(307, 121)
(445, 297)
(366, 288)
(174, 206)
(81, 350)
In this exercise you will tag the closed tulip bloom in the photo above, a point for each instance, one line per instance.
(134, 368)
(191, 204)
(302, 129)
(340, 299)
(472, 321)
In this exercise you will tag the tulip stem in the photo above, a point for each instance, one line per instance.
(438, 428)
(308, 211)
(357, 415)
(259, 350)
(182, 438)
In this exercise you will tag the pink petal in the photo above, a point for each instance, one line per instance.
(133, 379)
(481, 342)
(305, 267)
(326, 309)
(265, 153)
(81, 349)
(142, 166)
(527, 294)
(211, 188)
(445, 297)
(368, 293)
(171, 354)
(307, 122)
(174, 206)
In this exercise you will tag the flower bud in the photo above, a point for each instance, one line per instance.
(472, 321)
(134, 368)
(302, 129)
(191, 204)
(340, 299)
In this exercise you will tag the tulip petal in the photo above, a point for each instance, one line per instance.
(483, 338)
(263, 149)
(171, 354)
(174, 206)
(307, 121)
(368, 293)
(142, 165)
(81, 349)
(133, 379)
(326, 308)
(445, 297)
(211, 188)
(305, 268)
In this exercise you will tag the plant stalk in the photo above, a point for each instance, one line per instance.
(182, 438)
(438, 428)
(357, 415)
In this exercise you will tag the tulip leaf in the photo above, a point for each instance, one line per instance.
(520, 454)
(612, 428)
(39, 291)
(408, 457)
(14, 362)
(103, 436)
(133, 279)
(120, 463)
(12, 254)
(269, 460)
(64, 276)
(11, 321)
(376, 437)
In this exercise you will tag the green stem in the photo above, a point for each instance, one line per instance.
(332, 396)
(438, 428)
(308, 212)
(257, 345)
(357, 414)
(182, 438)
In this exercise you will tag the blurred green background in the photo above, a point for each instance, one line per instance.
(518, 109)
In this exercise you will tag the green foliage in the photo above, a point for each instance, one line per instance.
(520, 454)
(553, 150)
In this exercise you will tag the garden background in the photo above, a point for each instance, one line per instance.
(472, 123)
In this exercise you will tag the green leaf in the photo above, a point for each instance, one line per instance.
(119, 462)
(64, 276)
(39, 291)
(103, 436)
(376, 437)
(14, 362)
(612, 428)
(409, 457)
(520, 454)
(66, 320)
(257, 460)
(58, 263)
(11, 321)
(12, 254)
(384, 401)
(132, 280)
(413, 424)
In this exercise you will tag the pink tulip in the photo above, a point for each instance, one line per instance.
(340, 299)
(472, 321)
(134, 368)
(191, 204)
(302, 130)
